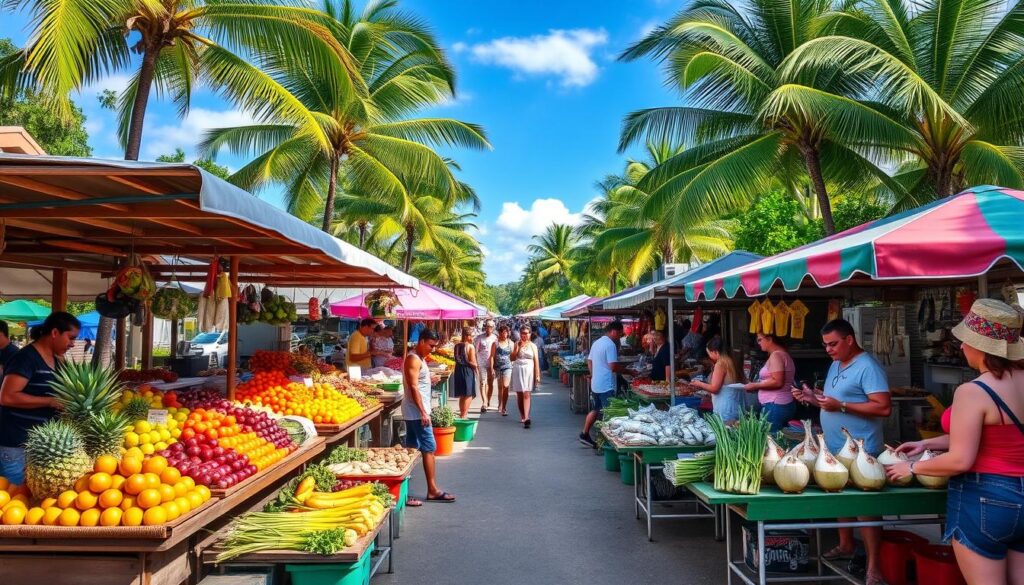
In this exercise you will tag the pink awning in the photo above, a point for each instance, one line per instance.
(426, 303)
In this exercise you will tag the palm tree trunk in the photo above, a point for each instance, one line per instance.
(146, 73)
(331, 192)
(612, 281)
(410, 232)
(362, 235)
(813, 161)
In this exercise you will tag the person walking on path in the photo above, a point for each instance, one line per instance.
(464, 377)
(501, 364)
(604, 366)
(484, 346)
(525, 373)
(775, 383)
(416, 412)
(856, 397)
(984, 449)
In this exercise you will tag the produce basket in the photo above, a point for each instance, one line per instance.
(357, 573)
(391, 387)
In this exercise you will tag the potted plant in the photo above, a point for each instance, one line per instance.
(442, 421)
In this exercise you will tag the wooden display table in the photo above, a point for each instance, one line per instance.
(346, 432)
(137, 556)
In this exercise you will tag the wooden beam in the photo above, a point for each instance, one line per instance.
(233, 329)
(44, 262)
(147, 341)
(59, 299)
(52, 230)
(141, 211)
(289, 269)
(86, 247)
(51, 170)
(54, 191)
(232, 249)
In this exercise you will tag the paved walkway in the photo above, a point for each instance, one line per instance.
(535, 507)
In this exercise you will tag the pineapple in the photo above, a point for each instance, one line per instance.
(55, 458)
(83, 390)
(103, 433)
(136, 409)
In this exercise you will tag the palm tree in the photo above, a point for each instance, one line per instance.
(945, 78)
(725, 58)
(553, 253)
(453, 268)
(363, 137)
(172, 44)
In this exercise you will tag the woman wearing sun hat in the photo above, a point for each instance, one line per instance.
(984, 449)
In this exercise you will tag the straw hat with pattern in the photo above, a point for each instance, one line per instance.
(993, 327)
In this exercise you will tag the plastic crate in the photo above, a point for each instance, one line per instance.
(357, 573)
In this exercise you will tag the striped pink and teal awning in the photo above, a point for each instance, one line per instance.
(957, 237)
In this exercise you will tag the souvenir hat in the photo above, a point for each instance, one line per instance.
(994, 328)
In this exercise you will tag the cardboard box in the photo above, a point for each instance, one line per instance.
(785, 551)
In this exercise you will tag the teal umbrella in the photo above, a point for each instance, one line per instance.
(22, 310)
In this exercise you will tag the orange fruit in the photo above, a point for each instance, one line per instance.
(135, 484)
(105, 464)
(172, 509)
(69, 517)
(149, 498)
(49, 502)
(166, 493)
(90, 517)
(204, 491)
(35, 516)
(4, 498)
(85, 500)
(127, 502)
(194, 500)
(117, 481)
(4, 483)
(152, 480)
(21, 498)
(154, 516)
(67, 499)
(51, 515)
(183, 504)
(100, 482)
(170, 475)
(130, 466)
(132, 517)
(156, 464)
(82, 484)
(111, 517)
(16, 515)
(181, 488)
(111, 498)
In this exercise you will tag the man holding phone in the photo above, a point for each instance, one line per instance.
(855, 397)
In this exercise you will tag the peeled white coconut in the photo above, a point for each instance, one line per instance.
(807, 450)
(866, 472)
(891, 457)
(933, 482)
(848, 453)
(791, 475)
(829, 473)
(772, 455)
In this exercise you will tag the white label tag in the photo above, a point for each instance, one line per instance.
(308, 381)
(157, 416)
(355, 373)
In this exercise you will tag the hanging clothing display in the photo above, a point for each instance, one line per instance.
(797, 319)
(755, 316)
(767, 317)
(781, 314)
(660, 320)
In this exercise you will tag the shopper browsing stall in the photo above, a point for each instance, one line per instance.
(775, 381)
(984, 448)
(604, 366)
(7, 347)
(25, 395)
(382, 344)
(484, 346)
(466, 366)
(359, 350)
(660, 365)
(416, 412)
(726, 396)
(856, 397)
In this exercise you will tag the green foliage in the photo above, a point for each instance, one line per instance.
(74, 307)
(27, 108)
(773, 224)
(852, 211)
(203, 163)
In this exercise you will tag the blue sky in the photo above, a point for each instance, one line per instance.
(540, 76)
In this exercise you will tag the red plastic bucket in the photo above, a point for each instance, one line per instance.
(936, 565)
(897, 559)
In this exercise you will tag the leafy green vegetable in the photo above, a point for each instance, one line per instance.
(344, 454)
(325, 542)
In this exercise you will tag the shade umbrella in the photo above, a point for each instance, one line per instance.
(89, 322)
(957, 237)
(22, 310)
(427, 303)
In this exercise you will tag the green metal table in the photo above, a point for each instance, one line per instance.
(814, 509)
(649, 459)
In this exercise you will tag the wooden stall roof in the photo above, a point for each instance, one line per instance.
(86, 215)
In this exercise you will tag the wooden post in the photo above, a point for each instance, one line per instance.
(405, 340)
(59, 299)
(233, 329)
(119, 342)
(174, 338)
(671, 353)
(147, 341)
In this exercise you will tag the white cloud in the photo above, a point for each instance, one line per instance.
(565, 54)
(542, 213)
(463, 97)
(185, 134)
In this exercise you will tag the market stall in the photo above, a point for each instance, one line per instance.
(137, 225)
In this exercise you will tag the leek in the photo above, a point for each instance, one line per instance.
(739, 452)
(690, 470)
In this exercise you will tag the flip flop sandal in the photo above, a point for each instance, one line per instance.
(413, 503)
(837, 554)
(443, 497)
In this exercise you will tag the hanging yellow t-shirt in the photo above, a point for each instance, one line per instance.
(659, 320)
(755, 316)
(781, 313)
(798, 319)
(767, 317)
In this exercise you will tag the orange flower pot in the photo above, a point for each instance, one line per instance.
(445, 439)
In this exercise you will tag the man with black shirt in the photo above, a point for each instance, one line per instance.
(7, 347)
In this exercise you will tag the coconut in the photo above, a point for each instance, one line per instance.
(866, 472)
(807, 450)
(933, 482)
(791, 475)
(772, 455)
(848, 453)
(829, 473)
(891, 457)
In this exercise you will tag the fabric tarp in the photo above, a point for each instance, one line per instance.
(22, 310)
(427, 303)
(961, 236)
(554, 312)
(627, 299)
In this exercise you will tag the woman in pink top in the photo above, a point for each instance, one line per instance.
(984, 449)
(775, 381)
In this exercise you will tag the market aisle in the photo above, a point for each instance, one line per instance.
(536, 507)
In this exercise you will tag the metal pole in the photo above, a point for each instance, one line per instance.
(233, 329)
(671, 354)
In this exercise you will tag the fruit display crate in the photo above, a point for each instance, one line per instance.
(272, 473)
(334, 433)
(406, 471)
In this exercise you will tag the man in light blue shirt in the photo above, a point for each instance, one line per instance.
(604, 366)
(856, 397)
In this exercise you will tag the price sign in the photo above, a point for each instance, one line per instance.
(308, 382)
(157, 416)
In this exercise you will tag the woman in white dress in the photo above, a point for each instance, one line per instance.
(525, 373)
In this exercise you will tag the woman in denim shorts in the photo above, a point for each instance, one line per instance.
(984, 456)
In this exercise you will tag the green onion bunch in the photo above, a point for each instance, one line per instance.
(690, 470)
(739, 451)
